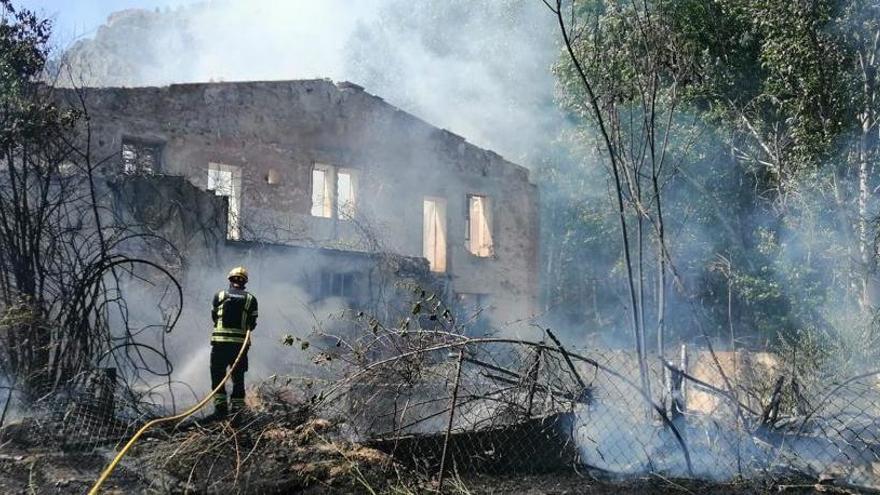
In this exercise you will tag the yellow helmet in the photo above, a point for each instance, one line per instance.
(238, 272)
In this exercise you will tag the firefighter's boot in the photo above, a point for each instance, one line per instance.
(238, 405)
(221, 408)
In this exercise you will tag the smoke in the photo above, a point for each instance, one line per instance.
(286, 308)
(482, 71)
(479, 69)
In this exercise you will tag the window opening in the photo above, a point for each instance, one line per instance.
(273, 177)
(345, 193)
(336, 285)
(478, 231)
(225, 180)
(334, 192)
(139, 157)
(434, 233)
(322, 191)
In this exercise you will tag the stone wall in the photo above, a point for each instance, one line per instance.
(283, 128)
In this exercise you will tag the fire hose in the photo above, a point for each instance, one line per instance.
(167, 419)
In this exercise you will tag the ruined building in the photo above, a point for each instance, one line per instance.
(328, 169)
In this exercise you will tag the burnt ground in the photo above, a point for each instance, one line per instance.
(293, 451)
(44, 472)
(572, 484)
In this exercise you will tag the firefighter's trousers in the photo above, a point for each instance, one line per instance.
(223, 355)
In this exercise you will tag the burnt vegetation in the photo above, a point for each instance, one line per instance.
(63, 255)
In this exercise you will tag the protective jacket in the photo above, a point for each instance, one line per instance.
(234, 313)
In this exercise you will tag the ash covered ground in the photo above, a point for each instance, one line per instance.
(284, 447)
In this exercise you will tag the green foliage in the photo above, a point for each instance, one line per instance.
(23, 46)
(26, 117)
(775, 104)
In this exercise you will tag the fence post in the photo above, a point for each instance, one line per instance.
(683, 365)
(676, 380)
(677, 385)
(106, 392)
(451, 417)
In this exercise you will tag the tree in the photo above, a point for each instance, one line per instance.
(807, 124)
(768, 208)
(624, 70)
(33, 197)
(62, 253)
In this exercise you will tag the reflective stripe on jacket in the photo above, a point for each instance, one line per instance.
(234, 313)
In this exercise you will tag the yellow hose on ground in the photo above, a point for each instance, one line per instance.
(189, 412)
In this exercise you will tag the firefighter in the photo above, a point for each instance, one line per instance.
(234, 312)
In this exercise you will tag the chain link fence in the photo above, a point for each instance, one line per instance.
(451, 406)
(88, 412)
(497, 406)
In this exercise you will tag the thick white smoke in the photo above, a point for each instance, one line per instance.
(480, 69)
